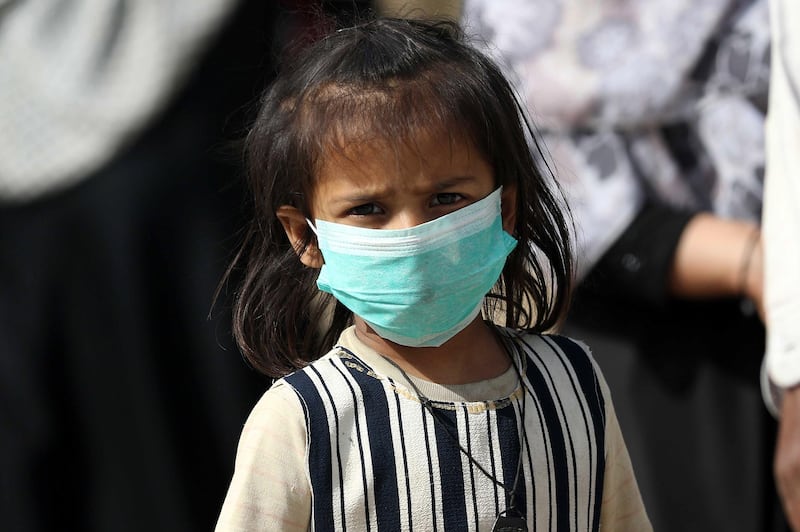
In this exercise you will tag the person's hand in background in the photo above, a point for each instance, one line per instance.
(787, 456)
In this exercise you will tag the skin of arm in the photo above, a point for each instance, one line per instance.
(718, 257)
(787, 456)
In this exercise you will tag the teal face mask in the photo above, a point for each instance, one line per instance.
(419, 286)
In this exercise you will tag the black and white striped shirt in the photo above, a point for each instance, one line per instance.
(375, 458)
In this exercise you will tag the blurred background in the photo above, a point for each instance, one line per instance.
(121, 200)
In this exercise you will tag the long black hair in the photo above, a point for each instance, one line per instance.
(386, 79)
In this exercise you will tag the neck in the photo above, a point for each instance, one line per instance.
(473, 355)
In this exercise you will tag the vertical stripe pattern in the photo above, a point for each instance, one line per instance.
(381, 460)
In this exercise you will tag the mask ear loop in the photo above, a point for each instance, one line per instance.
(316, 234)
(311, 225)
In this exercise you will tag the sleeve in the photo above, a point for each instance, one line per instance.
(84, 78)
(270, 489)
(781, 218)
(636, 267)
(622, 506)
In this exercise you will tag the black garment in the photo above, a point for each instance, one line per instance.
(120, 402)
(684, 377)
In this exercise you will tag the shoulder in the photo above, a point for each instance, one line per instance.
(278, 409)
(283, 412)
(554, 349)
(564, 365)
(336, 382)
(260, 492)
(284, 406)
(335, 364)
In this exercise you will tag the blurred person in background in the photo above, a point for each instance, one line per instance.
(653, 115)
(120, 402)
(781, 227)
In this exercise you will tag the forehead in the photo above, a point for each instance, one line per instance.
(407, 114)
(382, 162)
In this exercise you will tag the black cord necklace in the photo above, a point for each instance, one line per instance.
(504, 521)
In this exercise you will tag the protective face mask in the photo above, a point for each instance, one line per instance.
(419, 286)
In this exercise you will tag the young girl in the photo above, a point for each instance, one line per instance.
(392, 169)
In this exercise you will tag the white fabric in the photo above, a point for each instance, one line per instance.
(79, 78)
(781, 220)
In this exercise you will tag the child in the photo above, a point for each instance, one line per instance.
(396, 160)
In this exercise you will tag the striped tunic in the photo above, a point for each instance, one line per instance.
(365, 453)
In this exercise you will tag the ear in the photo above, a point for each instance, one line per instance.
(508, 205)
(295, 225)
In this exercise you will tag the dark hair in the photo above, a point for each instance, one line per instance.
(388, 78)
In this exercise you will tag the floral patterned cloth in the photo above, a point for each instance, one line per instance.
(638, 99)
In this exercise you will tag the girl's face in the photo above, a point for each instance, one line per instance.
(381, 186)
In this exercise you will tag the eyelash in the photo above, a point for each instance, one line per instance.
(452, 199)
(356, 211)
(454, 196)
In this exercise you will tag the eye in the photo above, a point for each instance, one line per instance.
(366, 209)
(446, 198)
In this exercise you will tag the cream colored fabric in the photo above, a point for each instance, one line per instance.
(270, 489)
